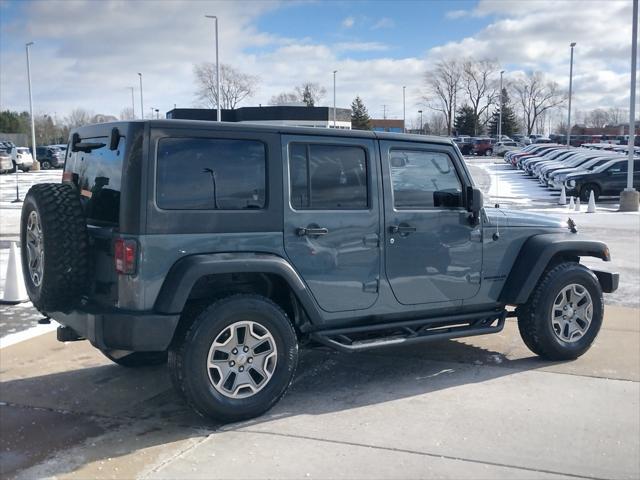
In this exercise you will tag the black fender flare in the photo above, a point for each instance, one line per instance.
(534, 257)
(188, 270)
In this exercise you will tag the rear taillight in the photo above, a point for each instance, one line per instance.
(125, 252)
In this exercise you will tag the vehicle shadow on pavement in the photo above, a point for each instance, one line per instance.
(108, 411)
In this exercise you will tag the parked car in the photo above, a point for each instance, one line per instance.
(6, 165)
(556, 179)
(50, 157)
(226, 267)
(465, 144)
(504, 146)
(21, 158)
(606, 180)
(483, 146)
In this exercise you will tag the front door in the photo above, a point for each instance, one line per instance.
(433, 252)
(331, 221)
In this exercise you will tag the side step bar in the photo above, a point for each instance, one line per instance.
(357, 339)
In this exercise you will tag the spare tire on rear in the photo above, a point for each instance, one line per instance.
(54, 246)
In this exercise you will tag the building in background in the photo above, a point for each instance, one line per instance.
(299, 116)
(387, 125)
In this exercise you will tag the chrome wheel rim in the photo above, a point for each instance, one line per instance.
(242, 359)
(571, 313)
(35, 248)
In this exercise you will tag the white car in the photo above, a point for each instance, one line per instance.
(500, 148)
(22, 158)
(6, 165)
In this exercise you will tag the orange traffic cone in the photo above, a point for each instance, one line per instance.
(14, 289)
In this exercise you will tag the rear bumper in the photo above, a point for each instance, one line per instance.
(121, 330)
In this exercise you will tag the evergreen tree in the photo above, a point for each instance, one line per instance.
(307, 96)
(509, 119)
(465, 121)
(360, 119)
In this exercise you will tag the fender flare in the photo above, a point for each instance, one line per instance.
(188, 270)
(534, 257)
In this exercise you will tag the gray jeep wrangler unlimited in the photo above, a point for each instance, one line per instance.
(223, 247)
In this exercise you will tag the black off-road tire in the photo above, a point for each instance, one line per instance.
(136, 359)
(65, 242)
(190, 349)
(534, 317)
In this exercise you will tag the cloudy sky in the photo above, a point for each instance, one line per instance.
(87, 53)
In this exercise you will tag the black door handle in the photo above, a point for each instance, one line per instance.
(401, 229)
(311, 231)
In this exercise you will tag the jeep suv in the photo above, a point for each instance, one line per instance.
(225, 247)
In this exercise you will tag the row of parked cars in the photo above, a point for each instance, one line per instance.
(21, 158)
(493, 146)
(601, 168)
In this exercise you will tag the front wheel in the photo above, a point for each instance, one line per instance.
(237, 358)
(45, 165)
(585, 192)
(564, 313)
(488, 153)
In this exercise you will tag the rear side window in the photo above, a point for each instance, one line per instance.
(328, 177)
(98, 175)
(210, 174)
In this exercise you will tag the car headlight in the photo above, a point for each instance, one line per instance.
(571, 183)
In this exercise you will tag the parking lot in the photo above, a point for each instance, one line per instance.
(482, 407)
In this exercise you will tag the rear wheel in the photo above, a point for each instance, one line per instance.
(488, 153)
(585, 192)
(564, 313)
(45, 164)
(237, 358)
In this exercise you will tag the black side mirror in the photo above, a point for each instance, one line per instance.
(474, 203)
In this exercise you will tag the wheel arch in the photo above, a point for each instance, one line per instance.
(207, 276)
(540, 253)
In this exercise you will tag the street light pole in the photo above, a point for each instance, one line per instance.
(141, 100)
(219, 115)
(500, 116)
(334, 98)
(421, 124)
(36, 164)
(133, 104)
(404, 110)
(629, 197)
(573, 44)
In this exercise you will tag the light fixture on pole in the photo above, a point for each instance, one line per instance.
(334, 98)
(573, 44)
(157, 113)
(629, 197)
(501, 104)
(36, 164)
(219, 93)
(133, 103)
(141, 99)
(421, 129)
(404, 110)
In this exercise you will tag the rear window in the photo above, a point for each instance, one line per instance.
(98, 175)
(210, 174)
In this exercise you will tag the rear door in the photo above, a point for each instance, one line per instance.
(433, 253)
(331, 218)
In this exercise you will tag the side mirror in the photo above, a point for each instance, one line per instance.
(474, 200)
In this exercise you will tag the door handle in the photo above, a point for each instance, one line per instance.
(311, 231)
(401, 229)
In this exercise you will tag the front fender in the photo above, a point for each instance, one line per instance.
(188, 270)
(534, 257)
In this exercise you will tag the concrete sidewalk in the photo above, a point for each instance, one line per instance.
(482, 407)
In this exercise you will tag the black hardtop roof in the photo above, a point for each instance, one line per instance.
(104, 129)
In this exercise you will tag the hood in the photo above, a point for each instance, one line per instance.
(520, 218)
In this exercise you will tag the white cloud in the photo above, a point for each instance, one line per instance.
(348, 22)
(455, 14)
(384, 22)
(361, 47)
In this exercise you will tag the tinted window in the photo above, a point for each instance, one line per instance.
(423, 179)
(98, 174)
(328, 177)
(210, 174)
(618, 167)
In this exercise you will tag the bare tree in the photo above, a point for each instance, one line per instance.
(480, 88)
(127, 114)
(235, 86)
(617, 115)
(284, 98)
(311, 93)
(597, 118)
(536, 96)
(442, 83)
(78, 118)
